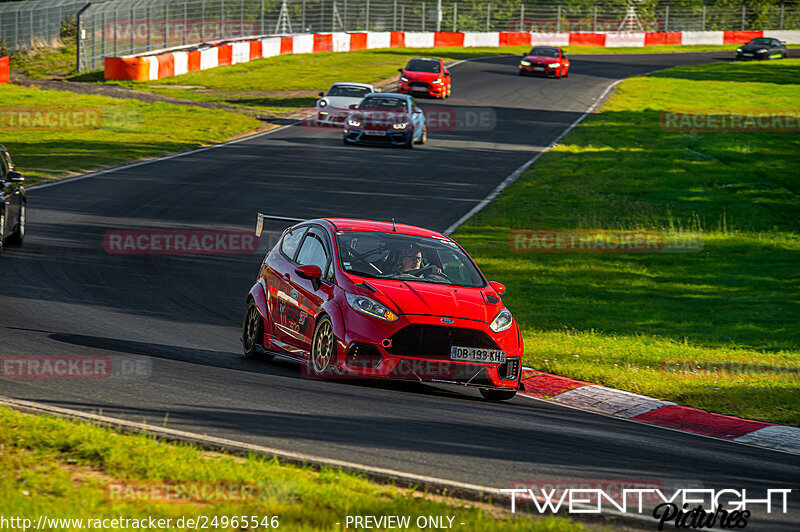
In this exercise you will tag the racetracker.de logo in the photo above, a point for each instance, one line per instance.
(438, 118)
(179, 242)
(43, 118)
(55, 367)
(755, 121)
(603, 241)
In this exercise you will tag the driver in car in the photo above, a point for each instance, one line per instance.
(411, 262)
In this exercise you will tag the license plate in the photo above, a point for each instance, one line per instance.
(538, 68)
(375, 133)
(476, 354)
(748, 55)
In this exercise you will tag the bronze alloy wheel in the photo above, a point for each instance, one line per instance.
(323, 347)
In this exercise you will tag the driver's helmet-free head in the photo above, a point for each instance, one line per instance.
(410, 258)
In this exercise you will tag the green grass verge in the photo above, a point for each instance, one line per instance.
(616, 319)
(120, 130)
(65, 469)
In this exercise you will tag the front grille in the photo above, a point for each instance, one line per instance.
(436, 341)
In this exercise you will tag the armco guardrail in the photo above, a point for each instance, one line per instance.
(3, 69)
(178, 61)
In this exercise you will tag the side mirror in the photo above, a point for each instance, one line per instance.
(447, 74)
(15, 177)
(377, 90)
(417, 110)
(499, 288)
(311, 272)
(400, 70)
(321, 94)
(353, 106)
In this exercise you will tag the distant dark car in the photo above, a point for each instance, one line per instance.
(762, 48)
(548, 61)
(387, 118)
(12, 209)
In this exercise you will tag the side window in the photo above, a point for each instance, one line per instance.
(291, 240)
(3, 165)
(313, 252)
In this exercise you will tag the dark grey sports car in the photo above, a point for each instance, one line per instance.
(12, 207)
(762, 48)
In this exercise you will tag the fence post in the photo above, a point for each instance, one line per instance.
(241, 18)
(438, 15)
(367, 15)
(149, 26)
(743, 9)
(116, 30)
(703, 27)
(403, 18)
(521, 16)
(221, 25)
(488, 14)
(303, 17)
(202, 23)
(261, 21)
(394, 16)
(423, 16)
(780, 24)
(666, 18)
(455, 15)
(103, 36)
(185, 23)
(79, 22)
(133, 27)
(594, 18)
(558, 19)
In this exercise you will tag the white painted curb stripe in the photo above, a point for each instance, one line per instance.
(776, 436)
(609, 400)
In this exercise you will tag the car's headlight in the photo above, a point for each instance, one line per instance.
(762, 51)
(400, 126)
(353, 122)
(553, 65)
(370, 307)
(438, 80)
(502, 321)
(738, 49)
(525, 63)
(323, 103)
(403, 78)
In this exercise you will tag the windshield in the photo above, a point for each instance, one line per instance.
(382, 102)
(348, 91)
(544, 51)
(406, 258)
(759, 41)
(424, 65)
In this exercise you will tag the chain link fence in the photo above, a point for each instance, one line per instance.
(122, 27)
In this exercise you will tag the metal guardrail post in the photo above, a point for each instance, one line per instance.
(780, 24)
(488, 14)
(79, 37)
(367, 25)
(594, 19)
(423, 16)
(666, 18)
(703, 26)
(521, 15)
(455, 16)
(558, 19)
(394, 16)
(743, 11)
(241, 18)
(261, 20)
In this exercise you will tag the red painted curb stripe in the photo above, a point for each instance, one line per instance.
(545, 384)
(701, 422)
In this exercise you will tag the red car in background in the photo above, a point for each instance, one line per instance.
(546, 61)
(356, 298)
(425, 75)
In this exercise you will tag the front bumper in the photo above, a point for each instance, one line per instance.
(418, 348)
(751, 56)
(420, 88)
(391, 138)
(538, 70)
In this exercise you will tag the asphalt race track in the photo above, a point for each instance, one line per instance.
(62, 294)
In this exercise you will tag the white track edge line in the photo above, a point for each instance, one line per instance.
(518, 172)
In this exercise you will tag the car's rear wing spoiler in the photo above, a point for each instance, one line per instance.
(262, 217)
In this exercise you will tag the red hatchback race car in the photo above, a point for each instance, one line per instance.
(425, 75)
(546, 61)
(356, 298)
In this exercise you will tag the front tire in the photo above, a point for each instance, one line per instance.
(19, 235)
(253, 332)
(497, 395)
(323, 348)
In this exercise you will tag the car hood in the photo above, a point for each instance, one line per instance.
(421, 76)
(342, 102)
(540, 60)
(754, 47)
(436, 299)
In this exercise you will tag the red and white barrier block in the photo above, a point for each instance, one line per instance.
(174, 62)
(4, 69)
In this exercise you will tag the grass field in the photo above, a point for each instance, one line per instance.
(623, 320)
(62, 469)
(52, 133)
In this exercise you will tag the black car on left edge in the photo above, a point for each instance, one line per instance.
(762, 48)
(12, 209)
